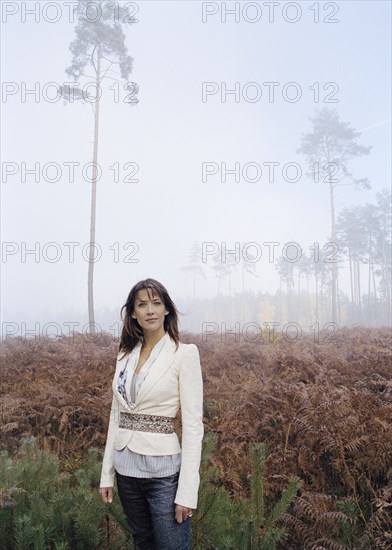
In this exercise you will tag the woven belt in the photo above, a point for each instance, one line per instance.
(147, 422)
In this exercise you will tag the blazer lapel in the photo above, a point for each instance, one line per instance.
(158, 368)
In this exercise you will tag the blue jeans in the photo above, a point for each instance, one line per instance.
(148, 504)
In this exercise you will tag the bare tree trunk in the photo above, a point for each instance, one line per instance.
(290, 291)
(219, 281)
(280, 300)
(375, 295)
(299, 295)
(359, 290)
(369, 319)
(309, 316)
(321, 302)
(333, 235)
(351, 274)
(355, 289)
(91, 316)
(385, 266)
(386, 283)
(338, 300)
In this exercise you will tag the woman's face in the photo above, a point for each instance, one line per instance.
(149, 312)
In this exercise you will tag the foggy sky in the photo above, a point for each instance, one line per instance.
(170, 134)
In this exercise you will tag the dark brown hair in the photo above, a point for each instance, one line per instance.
(132, 333)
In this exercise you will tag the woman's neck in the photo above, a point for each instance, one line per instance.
(150, 339)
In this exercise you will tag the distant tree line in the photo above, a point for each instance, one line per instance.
(312, 289)
(362, 250)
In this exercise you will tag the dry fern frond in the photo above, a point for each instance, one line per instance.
(296, 526)
(330, 519)
(326, 544)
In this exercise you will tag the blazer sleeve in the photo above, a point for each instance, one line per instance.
(108, 472)
(191, 401)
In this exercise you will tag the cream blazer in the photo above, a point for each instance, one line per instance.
(174, 381)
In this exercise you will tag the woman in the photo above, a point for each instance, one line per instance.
(156, 374)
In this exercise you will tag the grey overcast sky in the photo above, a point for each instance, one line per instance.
(171, 132)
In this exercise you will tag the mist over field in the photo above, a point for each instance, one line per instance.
(242, 159)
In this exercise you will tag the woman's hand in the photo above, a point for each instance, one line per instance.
(182, 513)
(107, 494)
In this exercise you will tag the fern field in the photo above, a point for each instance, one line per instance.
(297, 451)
